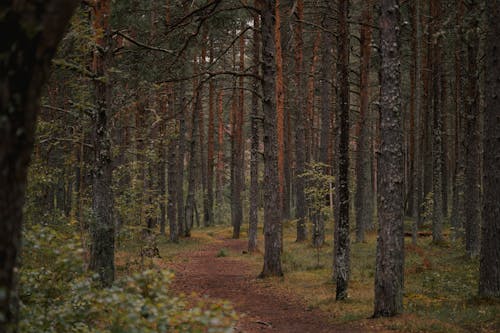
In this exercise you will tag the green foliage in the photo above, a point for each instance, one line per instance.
(317, 186)
(58, 295)
(222, 253)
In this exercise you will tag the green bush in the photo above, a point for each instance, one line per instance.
(58, 295)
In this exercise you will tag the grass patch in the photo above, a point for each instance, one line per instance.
(222, 253)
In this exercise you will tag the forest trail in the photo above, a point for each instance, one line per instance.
(261, 306)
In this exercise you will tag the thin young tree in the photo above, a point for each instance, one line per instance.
(390, 244)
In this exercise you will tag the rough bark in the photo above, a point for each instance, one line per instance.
(253, 218)
(472, 140)
(342, 245)
(300, 136)
(102, 227)
(489, 267)
(26, 60)
(437, 124)
(417, 157)
(220, 146)
(390, 244)
(190, 207)
(280, 102)
(272, 209)
(181, 152)
(326, 73)
(457, 212)
(364, 196)
(209, 220)
(172, 180)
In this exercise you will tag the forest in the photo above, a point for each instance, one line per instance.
(246, 166)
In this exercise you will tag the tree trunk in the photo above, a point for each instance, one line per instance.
(300, 136)
(342, 245)
(191, 214)
(181, 152)
(102, 227)
(457, 212)
(472, 139)
(209, 220)
(437, 182)
(390, 244)
(417, 143)
(272, 208)
(172, 176)
(364, 195)
(220, 147)
(326, 73)
(23, 71)
(280, 103)
(253, 218)
(489, 267)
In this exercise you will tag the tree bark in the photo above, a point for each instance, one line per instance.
(24, 69)
(437, 135)
(272, 208)
(300, 135)
(390, 244)
(472, 139)
(342, 245)
(364, 195)
(102, 227)
(489, 267)
(253, 218)
(326, 78)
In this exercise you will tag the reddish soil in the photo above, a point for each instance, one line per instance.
(261, 306)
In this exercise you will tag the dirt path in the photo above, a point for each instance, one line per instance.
(261, 306)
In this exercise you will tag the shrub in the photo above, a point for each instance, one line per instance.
(58, 295)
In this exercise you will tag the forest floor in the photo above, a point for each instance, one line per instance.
(440, 284)
(214, 272)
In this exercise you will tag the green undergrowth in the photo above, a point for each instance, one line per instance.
(58, 294)
(440, 283)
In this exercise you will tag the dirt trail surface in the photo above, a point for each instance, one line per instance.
(262, 307)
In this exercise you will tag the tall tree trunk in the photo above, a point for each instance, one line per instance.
(342, 245)
(236, 157)
(390, 244)
(457, 212)
(417, 157)
(253, 218)
(201, 137)
(364, 195)
(437, 125)
(326, 73)
(300, 135)
(220, 147)
(102, 227)
(209, 220)
(280, 103)
(23, 71)
(472, 139)
(181, 152)
(489, 267)
(310, 98)
(272, 209)
(190, 208)
(172, 160)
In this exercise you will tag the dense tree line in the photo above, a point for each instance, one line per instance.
(163, 116)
